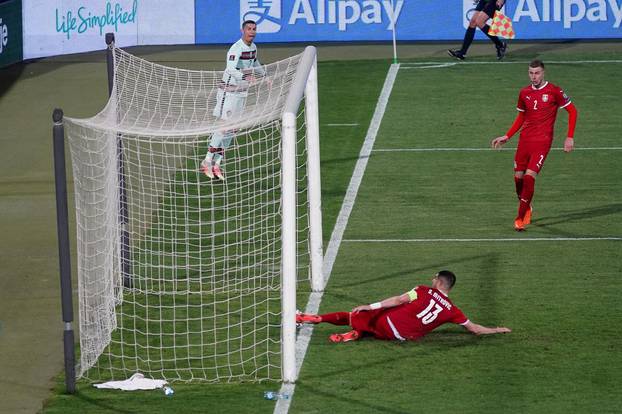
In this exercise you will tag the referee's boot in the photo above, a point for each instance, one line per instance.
(501, 50)
(456, 54)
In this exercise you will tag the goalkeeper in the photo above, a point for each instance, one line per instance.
(409, 316)
(243, 68)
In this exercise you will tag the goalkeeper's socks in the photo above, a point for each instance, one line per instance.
(468, 39)
(529, 183)
(336, 318)
(518, 182)
(495, 39)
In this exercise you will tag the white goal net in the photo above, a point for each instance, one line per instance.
(182, 276)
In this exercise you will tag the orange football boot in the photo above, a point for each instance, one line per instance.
(344, 337)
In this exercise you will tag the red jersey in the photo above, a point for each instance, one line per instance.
(428, 310)
(540, 107)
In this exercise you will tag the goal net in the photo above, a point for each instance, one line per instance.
(182, 276)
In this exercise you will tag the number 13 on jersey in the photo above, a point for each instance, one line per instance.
(430, 313)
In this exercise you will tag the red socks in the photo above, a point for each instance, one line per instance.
(336, 318)
(519, 185)
(526, 195)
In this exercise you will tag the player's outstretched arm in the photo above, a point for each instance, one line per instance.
(484, 330)
(385, 303)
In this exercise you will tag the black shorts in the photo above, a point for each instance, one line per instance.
(487, 6)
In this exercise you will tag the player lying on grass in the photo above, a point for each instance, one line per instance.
(405, 317)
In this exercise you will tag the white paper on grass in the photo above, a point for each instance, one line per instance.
(135, 382)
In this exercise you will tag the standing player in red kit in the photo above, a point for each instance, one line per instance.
(537, 110)
(405, 317)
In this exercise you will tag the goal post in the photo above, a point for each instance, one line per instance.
(182, 276)
(305, 84)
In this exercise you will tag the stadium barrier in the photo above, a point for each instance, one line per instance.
(58, 27)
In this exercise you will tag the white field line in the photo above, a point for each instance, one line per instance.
(313, 305)
(341, 125)
(486, 149)
(431, 65)
(505, 239)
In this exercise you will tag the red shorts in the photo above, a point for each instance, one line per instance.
(531, 155)
(372, 322)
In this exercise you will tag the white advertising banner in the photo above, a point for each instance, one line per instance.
(56, 27)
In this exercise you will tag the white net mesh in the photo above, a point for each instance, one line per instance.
(178, 274)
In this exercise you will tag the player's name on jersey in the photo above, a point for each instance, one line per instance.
(440, 299)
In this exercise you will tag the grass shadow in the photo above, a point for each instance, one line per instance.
(577, 215)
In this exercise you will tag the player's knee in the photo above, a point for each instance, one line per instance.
(479, 19)
(531, 173)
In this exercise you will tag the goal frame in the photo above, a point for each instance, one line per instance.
(304, 86)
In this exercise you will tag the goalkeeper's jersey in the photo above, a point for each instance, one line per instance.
(241, 60)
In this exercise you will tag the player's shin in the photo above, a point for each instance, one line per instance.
(336, 318)
(518, 182)
(526, 195)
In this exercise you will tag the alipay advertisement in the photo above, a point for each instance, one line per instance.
(218, 21)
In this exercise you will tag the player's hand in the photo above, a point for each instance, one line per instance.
(249, 77)
(568, 144)
(361, 308)
(499, 142)
(503, 329)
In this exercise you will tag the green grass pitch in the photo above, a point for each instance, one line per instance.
(561, 298)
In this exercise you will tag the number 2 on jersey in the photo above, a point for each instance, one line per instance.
(535, 105)
(428, 314)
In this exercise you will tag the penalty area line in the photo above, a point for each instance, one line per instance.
(313, 305)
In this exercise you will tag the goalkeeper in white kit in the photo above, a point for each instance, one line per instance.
(243, 68)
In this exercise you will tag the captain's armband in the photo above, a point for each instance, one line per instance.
(412, 294)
